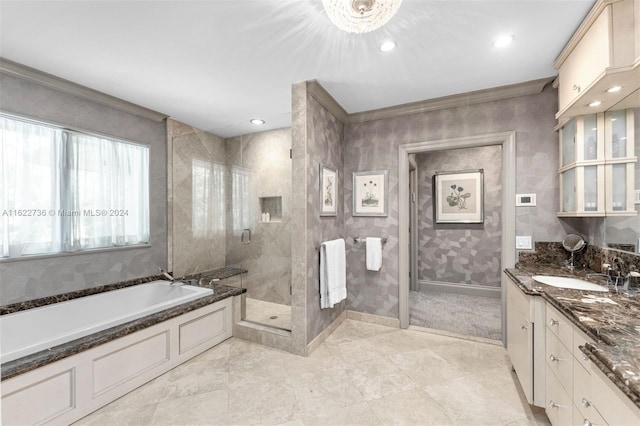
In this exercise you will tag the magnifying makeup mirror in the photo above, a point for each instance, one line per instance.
(573, 243)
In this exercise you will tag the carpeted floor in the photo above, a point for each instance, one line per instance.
(457, 313)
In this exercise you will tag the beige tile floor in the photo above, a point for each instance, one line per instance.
(363, 374)
(263, 312)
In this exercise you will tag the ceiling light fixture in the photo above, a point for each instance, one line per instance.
(257, 121)
(360, 16)
(388, 46)
(614, 89)
(595, 103)
(503, 40)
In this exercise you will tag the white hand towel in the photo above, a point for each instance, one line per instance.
(333, 273)
(374, 253)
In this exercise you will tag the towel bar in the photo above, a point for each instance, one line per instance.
(358, 240)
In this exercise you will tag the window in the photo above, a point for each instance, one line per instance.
(65, 191)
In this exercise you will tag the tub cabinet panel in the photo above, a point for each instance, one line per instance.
(67, 390)
(41, 401)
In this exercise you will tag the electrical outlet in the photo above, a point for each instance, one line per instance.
(524, 242)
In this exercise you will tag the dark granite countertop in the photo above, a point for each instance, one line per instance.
(611, 320)
(39, 359)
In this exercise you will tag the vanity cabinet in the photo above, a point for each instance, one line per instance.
(525, 343)
(597, 163)
(603, 53)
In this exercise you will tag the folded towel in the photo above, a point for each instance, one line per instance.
(374, 254)
(333, 273)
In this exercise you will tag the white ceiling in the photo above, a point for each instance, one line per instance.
(215, 64)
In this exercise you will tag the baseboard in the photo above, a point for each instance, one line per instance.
(374, 319)
(469, 290)
(317, 341)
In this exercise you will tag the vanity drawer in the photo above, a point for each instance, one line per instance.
(582, 396)
(579, 339)
(560, 361)
(560, 326)
(593, 419)
(559, 407)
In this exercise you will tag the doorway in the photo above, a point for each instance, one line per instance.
(506, 141)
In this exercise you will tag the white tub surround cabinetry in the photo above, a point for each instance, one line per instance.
(603, 53)
(525, 342)
(67, 390)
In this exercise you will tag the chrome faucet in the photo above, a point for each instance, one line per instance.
(607, 274)
(166, 274)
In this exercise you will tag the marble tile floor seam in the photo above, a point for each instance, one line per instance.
(363, 374)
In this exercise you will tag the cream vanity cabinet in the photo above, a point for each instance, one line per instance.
(578, 392)
(597, 163)
(525, 343)
(603, 53)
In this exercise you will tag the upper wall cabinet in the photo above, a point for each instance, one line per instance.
(597, 164)
(599, 69)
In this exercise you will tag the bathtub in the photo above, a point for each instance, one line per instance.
(33, 330)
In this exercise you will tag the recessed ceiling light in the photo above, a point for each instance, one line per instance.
(388, 46)
(503, 40)
(257, 121)
(614, 89)
(595, 103)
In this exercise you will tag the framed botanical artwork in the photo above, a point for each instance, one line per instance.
(370, 193)
(328, 191)
(459, 196)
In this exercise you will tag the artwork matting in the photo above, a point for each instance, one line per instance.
(371, 193)
(328, 191)
(459, 196)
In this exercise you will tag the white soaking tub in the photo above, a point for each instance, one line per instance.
(33, 330)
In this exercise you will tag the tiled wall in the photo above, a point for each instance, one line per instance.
(460, 253)
(265, 157)
(31, 279)
(374, 145)
(192, 253)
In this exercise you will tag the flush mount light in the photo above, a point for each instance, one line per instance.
(360, 16)
(257, 121)
(503, 40)
(595, 103)
(388, 46)
(614, 89)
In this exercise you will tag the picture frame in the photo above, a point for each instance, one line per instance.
(459, 196)
(328, 191)
(371, 193)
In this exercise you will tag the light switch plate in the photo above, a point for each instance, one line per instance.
(524, 242)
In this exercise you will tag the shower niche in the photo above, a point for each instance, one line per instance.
(270, 209)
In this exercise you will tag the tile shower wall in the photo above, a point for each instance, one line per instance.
(193, 251)
(264, 159)
(460, 253)
(324, 145)
(31, 279)
(374, 145)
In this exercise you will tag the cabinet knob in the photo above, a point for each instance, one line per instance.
(523, 327)
(585, 357)
(586, 422)
(576, 88)
(585, 403)
(553, 404)
(554, 358)
(553, 322)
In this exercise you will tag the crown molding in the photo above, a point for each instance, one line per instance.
(30, 74)
(453, 101)
(319, 93)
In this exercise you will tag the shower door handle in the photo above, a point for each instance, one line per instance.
(246, 232)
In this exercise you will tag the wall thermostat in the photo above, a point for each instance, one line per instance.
(525, 200)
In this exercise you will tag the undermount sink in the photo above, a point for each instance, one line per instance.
(566, 282)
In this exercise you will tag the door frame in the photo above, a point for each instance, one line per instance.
(508, 250)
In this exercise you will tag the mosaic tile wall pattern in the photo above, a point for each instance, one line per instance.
(374, 145)
(459, 253)
(35, 278)
(324, 145)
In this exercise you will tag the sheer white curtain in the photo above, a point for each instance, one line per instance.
(30, 160)
(242, 207)
(208, 198)
(63, 191)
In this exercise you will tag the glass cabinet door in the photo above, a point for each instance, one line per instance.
(568, 190)
(618, 138)
(591, 189)
(590, 137)
(568, 137)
